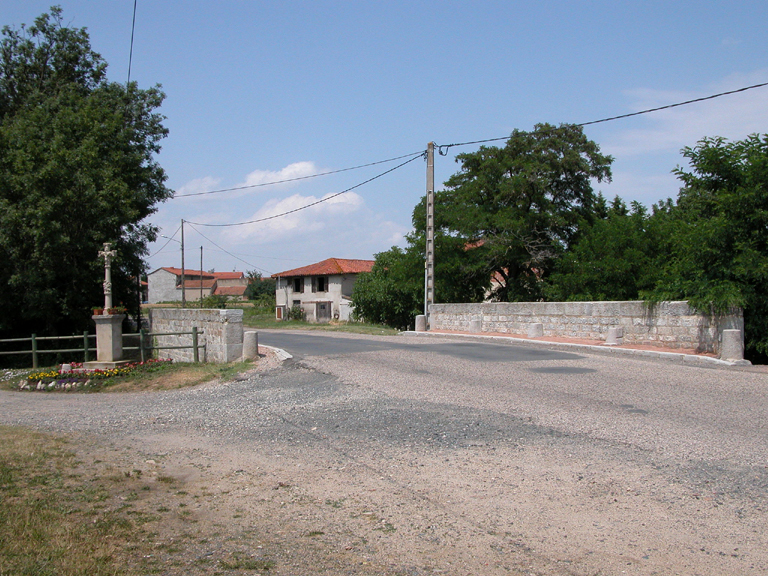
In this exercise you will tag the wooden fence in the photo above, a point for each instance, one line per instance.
(145, 347)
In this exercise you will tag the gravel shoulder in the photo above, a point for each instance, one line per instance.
(356, 464)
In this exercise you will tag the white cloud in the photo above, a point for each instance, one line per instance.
(297, 221)
(253, 182)
(205, 184)
(290, 172)
(733, 116)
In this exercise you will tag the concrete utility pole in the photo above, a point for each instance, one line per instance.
(429, 272)
(183, 283)
(201, 276)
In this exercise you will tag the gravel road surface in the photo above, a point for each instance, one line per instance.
(420, 456)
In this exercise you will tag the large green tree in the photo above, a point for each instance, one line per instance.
(617, 257)
(524, 203)
(77, 169)
(720, 241)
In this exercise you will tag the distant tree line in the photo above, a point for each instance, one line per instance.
(523, 223)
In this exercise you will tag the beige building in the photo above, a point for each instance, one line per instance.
(164, 285)
(322, 290)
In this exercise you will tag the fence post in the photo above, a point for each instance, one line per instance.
(85, 346)
(141, 343)
(34, 351)
(195, 354)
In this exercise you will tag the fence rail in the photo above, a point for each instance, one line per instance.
(85, 349)
(35, 351)
(143, 348)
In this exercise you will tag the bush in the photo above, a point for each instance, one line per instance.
(215, 301)
(294, 313)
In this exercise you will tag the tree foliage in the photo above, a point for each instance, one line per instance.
(616, 258)
(525, 203)
(77, 169)
(719, 257)
(259, 287)
(392, 293)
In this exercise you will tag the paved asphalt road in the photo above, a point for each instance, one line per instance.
(686, 411)
(313, 344)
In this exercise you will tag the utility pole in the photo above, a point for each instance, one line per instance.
(429, 265)
(201, 276)
(183, 283)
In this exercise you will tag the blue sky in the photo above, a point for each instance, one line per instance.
(262, 91)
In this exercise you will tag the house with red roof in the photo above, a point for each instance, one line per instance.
(322, 290)
(165, 284)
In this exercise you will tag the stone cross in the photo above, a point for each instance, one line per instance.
(107, 254)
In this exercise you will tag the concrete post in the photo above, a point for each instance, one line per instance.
(476, 325)
(421, 323)
(732, 346)
(536, 330)
(250, 345)
(615, 336)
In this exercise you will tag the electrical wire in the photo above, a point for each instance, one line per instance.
(226, 251)
(166, 244)
(443, 148)
(415, 156)
(295, 179)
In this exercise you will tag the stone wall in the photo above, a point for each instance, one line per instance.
(222, 333)
(666, 324)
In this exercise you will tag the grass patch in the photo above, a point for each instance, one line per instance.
(52, 521)
(237, 562)
(256, 318)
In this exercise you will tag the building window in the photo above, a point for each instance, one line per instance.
(320, 284)
(298, 284)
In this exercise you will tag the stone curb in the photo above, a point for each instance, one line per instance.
(688, 359)
(281, 354)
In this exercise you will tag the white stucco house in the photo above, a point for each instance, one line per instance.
(164, 284)
(322, 290)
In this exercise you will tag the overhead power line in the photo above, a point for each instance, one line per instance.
(226, 251)
(443, 149)
(297, 178)
(172, 237)
(414, 157)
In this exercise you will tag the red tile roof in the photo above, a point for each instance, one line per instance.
(192, 284)
(190, 272)
(329, 267)
(227, 275)
(230, 290)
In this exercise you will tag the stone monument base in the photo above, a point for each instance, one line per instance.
(105, 365)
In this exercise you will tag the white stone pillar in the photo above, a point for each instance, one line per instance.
(536, 330)
(250, 345)
(732, 346)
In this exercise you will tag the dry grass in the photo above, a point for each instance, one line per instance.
(56, 521)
